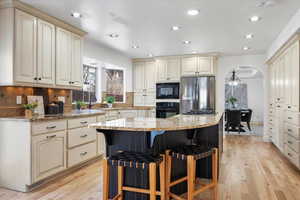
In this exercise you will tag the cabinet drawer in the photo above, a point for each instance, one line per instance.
(293, 143)
(292, 117)
(45, 127)
(81, 122)
(79, 136)
(101, 118)
(81, 154)
(292, 130)
(292, 156)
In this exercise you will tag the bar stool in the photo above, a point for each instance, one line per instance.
(191, 153)
(135, 160)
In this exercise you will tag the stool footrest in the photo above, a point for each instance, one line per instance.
(178, 181)
(138, 190)
(176, 197)
(205, 187)
(116, 197)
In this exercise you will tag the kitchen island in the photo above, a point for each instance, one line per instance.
(136, 134)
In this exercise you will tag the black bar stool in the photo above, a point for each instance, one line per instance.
(191, 153)
(135, 160)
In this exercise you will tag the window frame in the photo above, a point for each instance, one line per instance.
(124, 82)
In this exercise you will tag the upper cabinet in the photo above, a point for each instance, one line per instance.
(168, 69)
(25, 47)
(195, 65)
(40, 51)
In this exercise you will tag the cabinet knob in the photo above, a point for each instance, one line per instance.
(50, 127)
(40, 79)
(52, 136)
(83, 122)
(35, 78)
(83, 153)
(83, 136)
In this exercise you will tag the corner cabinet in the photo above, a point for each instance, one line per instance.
(196, 65)
(40, 54)
(144, 83)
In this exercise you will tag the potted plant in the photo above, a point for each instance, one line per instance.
(80, 105)
(110, 100)
(29, 108)
(232, 100)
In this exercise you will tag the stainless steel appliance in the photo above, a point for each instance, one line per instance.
(167, 91)
(197, 95)
(167, 109)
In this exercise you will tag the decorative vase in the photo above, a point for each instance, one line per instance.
(110, 105)
(28, 113)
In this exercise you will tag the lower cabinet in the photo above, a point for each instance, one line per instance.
(48, 154)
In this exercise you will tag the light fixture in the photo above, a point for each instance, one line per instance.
(234, 80)
(135, 46)
(175, 28)
(113, 35)
(150, 55)
(76, 14)
(245, 48)
(193, 12)
(194, 52)
(249, 36)
(254, 18)
(186, 42)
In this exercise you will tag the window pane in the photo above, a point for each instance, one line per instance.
(115, 84)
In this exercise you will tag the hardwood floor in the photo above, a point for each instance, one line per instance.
(250, 170)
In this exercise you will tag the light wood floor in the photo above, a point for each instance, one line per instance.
(250, 170)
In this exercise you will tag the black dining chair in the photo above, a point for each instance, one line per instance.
(233, 118)
(246, 117)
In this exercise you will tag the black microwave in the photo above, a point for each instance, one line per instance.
(167, 91)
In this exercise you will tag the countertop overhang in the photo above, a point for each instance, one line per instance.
(178, 122)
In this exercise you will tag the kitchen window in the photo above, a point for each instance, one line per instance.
(115, 84)
(88, 93)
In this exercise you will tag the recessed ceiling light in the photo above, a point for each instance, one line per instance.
(76, 14)
(245, 48)
(193, 12)
(175, 28)
(194, 52)
(249, 36)
(254, 18)
(135, 46)
(186, 42)
(113, 35)
(150, 55)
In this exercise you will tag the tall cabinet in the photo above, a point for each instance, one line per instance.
(284, 111)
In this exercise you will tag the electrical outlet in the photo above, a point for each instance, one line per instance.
(19, 99)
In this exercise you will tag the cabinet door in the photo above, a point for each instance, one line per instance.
(25, 47)
(63, 57)
(281, 77)
(77, 68)
(295, 77)
(189, 65)
(149, 99)
(139, 76)
(138, 99)
(161, 66)
(288, 79)
(173, 69)
(46, 53)
(206, 65)
(48, 155)
(150, 76)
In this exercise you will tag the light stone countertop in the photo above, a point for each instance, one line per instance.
(178, 122)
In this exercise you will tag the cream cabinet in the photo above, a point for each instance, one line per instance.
(168, 69)
(37, 52)
(45, 53)
(48, 154)
(196, 65)
(25, 47)
(144, 83)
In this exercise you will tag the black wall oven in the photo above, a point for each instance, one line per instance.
(167, 91)
(166, 109)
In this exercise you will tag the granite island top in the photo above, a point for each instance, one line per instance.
(178, 122)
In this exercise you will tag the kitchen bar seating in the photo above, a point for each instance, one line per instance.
(139, 161)
(191, 153)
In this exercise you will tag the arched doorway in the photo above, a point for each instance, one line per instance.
(244, 91)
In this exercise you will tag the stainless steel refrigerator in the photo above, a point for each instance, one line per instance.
(197, 95)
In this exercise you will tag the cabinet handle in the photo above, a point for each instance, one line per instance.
(278, 106)
(83, 136)
(289, 130)
(290, 155)
(40, 79)
(35, 78)
(289, 106)
(83, 153)
(290, 142)
(83, 122)
(290, 118)
(50, 127)
(52, 136)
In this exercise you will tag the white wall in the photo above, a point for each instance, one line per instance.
(94, 52)
(291, 28)
(227, 63)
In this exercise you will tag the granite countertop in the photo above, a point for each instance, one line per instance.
(178, 122)
(69, 115)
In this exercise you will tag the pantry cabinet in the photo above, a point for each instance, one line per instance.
(168, 69)
(196, 65)
(38, 53)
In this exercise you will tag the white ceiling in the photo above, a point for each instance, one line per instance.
(220, 27)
